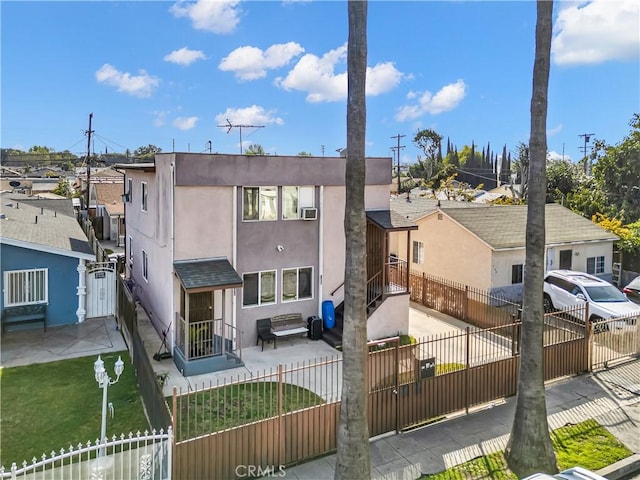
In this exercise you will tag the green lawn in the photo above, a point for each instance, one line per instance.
(586, 444)
(233, 405)
(49, 406)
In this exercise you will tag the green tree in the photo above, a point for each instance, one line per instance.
(146, 152)
(429, 141)
(63, 188)
(563, 177)
(254, 149)
(353, 457)
(304, 154)
(617, 173)
(529, 449)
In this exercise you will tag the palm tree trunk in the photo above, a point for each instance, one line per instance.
(529, 449)
(353, 458)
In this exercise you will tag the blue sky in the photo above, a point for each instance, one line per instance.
(168, 73)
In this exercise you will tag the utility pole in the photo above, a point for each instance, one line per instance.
(89, 132)
(322, 149)
(587, 166)
(397, 149)
(229, 126)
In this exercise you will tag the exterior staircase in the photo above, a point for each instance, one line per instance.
(333, 336)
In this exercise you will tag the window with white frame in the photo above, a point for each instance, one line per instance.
(145, 266)
(129, 191)
(294, 199)
(517, 273)
(24, 287)
(259, 203)
(418, 252)
(259, 288)
(144, 196)
(595, 265)
(297, 283)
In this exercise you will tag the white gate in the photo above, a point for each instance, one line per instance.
(101, 289)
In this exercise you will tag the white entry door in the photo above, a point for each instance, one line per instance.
(101, 289)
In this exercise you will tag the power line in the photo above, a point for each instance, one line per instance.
(230, 126)
(398, 148)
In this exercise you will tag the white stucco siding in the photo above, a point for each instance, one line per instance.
(376, 197)
(502, 264)
(581, 252)
(390, 318)
(453, 252)
(203, 222)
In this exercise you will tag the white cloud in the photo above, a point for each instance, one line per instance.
(316, 76)
(141, 85)
(219, 16)
(253, 115)
(448, 98)
(185, 123)
(184, 56)
(553, 155)
(251, 63)
(159, 118)
(555, 130)
(597, 31)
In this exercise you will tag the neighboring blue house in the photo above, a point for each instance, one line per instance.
(43, 257)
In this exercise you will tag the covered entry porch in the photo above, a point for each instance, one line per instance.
(207, 340)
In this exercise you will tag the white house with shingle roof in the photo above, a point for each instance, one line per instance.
(484, 247)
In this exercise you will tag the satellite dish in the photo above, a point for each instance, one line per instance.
(14, 183)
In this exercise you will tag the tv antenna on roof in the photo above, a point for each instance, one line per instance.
(229, 126)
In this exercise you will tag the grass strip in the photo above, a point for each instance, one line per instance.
(586, 444)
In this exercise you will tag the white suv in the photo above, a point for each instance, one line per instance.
(565, 289)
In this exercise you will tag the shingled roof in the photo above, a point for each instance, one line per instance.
(26, 224)
(110, 196)
(207, 273)
(503, 227)
(419, 207)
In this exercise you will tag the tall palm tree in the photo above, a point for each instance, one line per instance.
(353, 459)
(529, 449)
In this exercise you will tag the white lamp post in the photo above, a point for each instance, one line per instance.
(103, 382)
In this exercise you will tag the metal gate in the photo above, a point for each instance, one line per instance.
(101, 289)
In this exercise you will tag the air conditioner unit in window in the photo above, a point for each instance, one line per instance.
(309, 214)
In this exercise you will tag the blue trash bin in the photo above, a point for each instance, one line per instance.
(328, 314)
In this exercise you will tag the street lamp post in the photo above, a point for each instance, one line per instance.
(104, 382)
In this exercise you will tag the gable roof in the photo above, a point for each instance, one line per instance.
(419, 207)
(504, 226)
(25, 224)
(110, 195)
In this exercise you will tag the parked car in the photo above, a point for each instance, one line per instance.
(633, 290)
(566, 289)
(575, 473)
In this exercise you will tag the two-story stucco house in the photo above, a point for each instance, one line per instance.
(483, 246)
(215, 242)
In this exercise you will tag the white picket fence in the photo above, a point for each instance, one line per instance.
(134, 457)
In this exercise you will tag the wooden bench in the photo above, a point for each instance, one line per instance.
(280, 326)
(23, 314)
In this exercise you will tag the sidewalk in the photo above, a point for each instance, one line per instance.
(612, 397)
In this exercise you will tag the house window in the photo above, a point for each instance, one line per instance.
(418, 252)
(129, 191)
(294, 199)
(595, 265)
(130, 248)
(517, 273)
(144, 196)
(259, 203)
(297, 283)
(259, 288)
(145, 266)
(24, 287)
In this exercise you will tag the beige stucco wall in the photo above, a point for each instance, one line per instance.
(203, 222)
(333, 243)
(580, 254)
